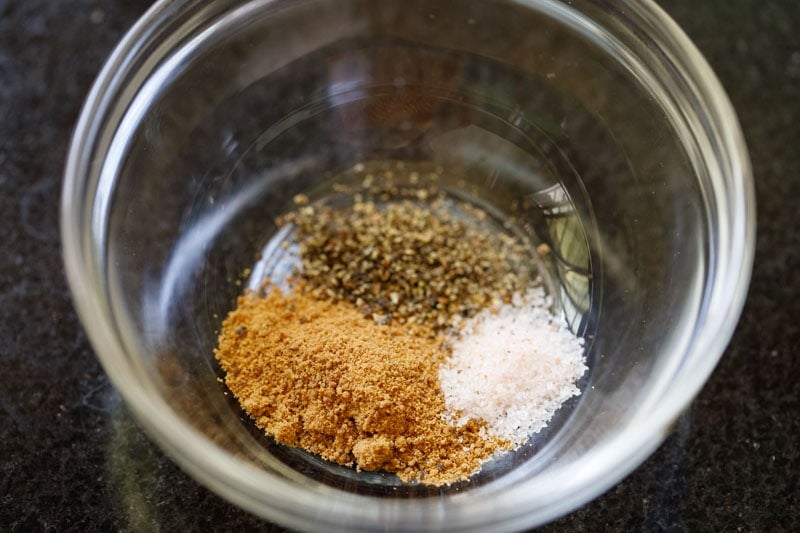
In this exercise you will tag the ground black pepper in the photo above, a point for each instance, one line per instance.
(415, 257)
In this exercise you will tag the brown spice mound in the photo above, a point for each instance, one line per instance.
(318, 375)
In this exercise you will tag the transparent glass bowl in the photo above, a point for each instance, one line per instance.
(592, 127)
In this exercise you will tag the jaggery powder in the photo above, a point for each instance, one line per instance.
(317, 375)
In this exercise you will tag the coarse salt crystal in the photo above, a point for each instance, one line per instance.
(512, 367)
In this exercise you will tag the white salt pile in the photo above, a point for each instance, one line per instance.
(512, 367)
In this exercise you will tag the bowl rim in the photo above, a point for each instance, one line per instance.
(282, 501)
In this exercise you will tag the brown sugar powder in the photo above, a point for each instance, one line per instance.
(318, 375)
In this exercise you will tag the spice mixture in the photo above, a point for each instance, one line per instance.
(413, 340)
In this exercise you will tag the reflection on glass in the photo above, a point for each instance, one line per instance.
(569, 249)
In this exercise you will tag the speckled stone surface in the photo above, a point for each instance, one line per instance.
(71, 458)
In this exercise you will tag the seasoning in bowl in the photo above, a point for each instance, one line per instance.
(412, 339)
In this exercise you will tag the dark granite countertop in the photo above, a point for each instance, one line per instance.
(71, 458)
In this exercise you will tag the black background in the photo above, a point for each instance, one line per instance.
(72, 459)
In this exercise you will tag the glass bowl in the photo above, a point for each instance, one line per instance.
(594, 130)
